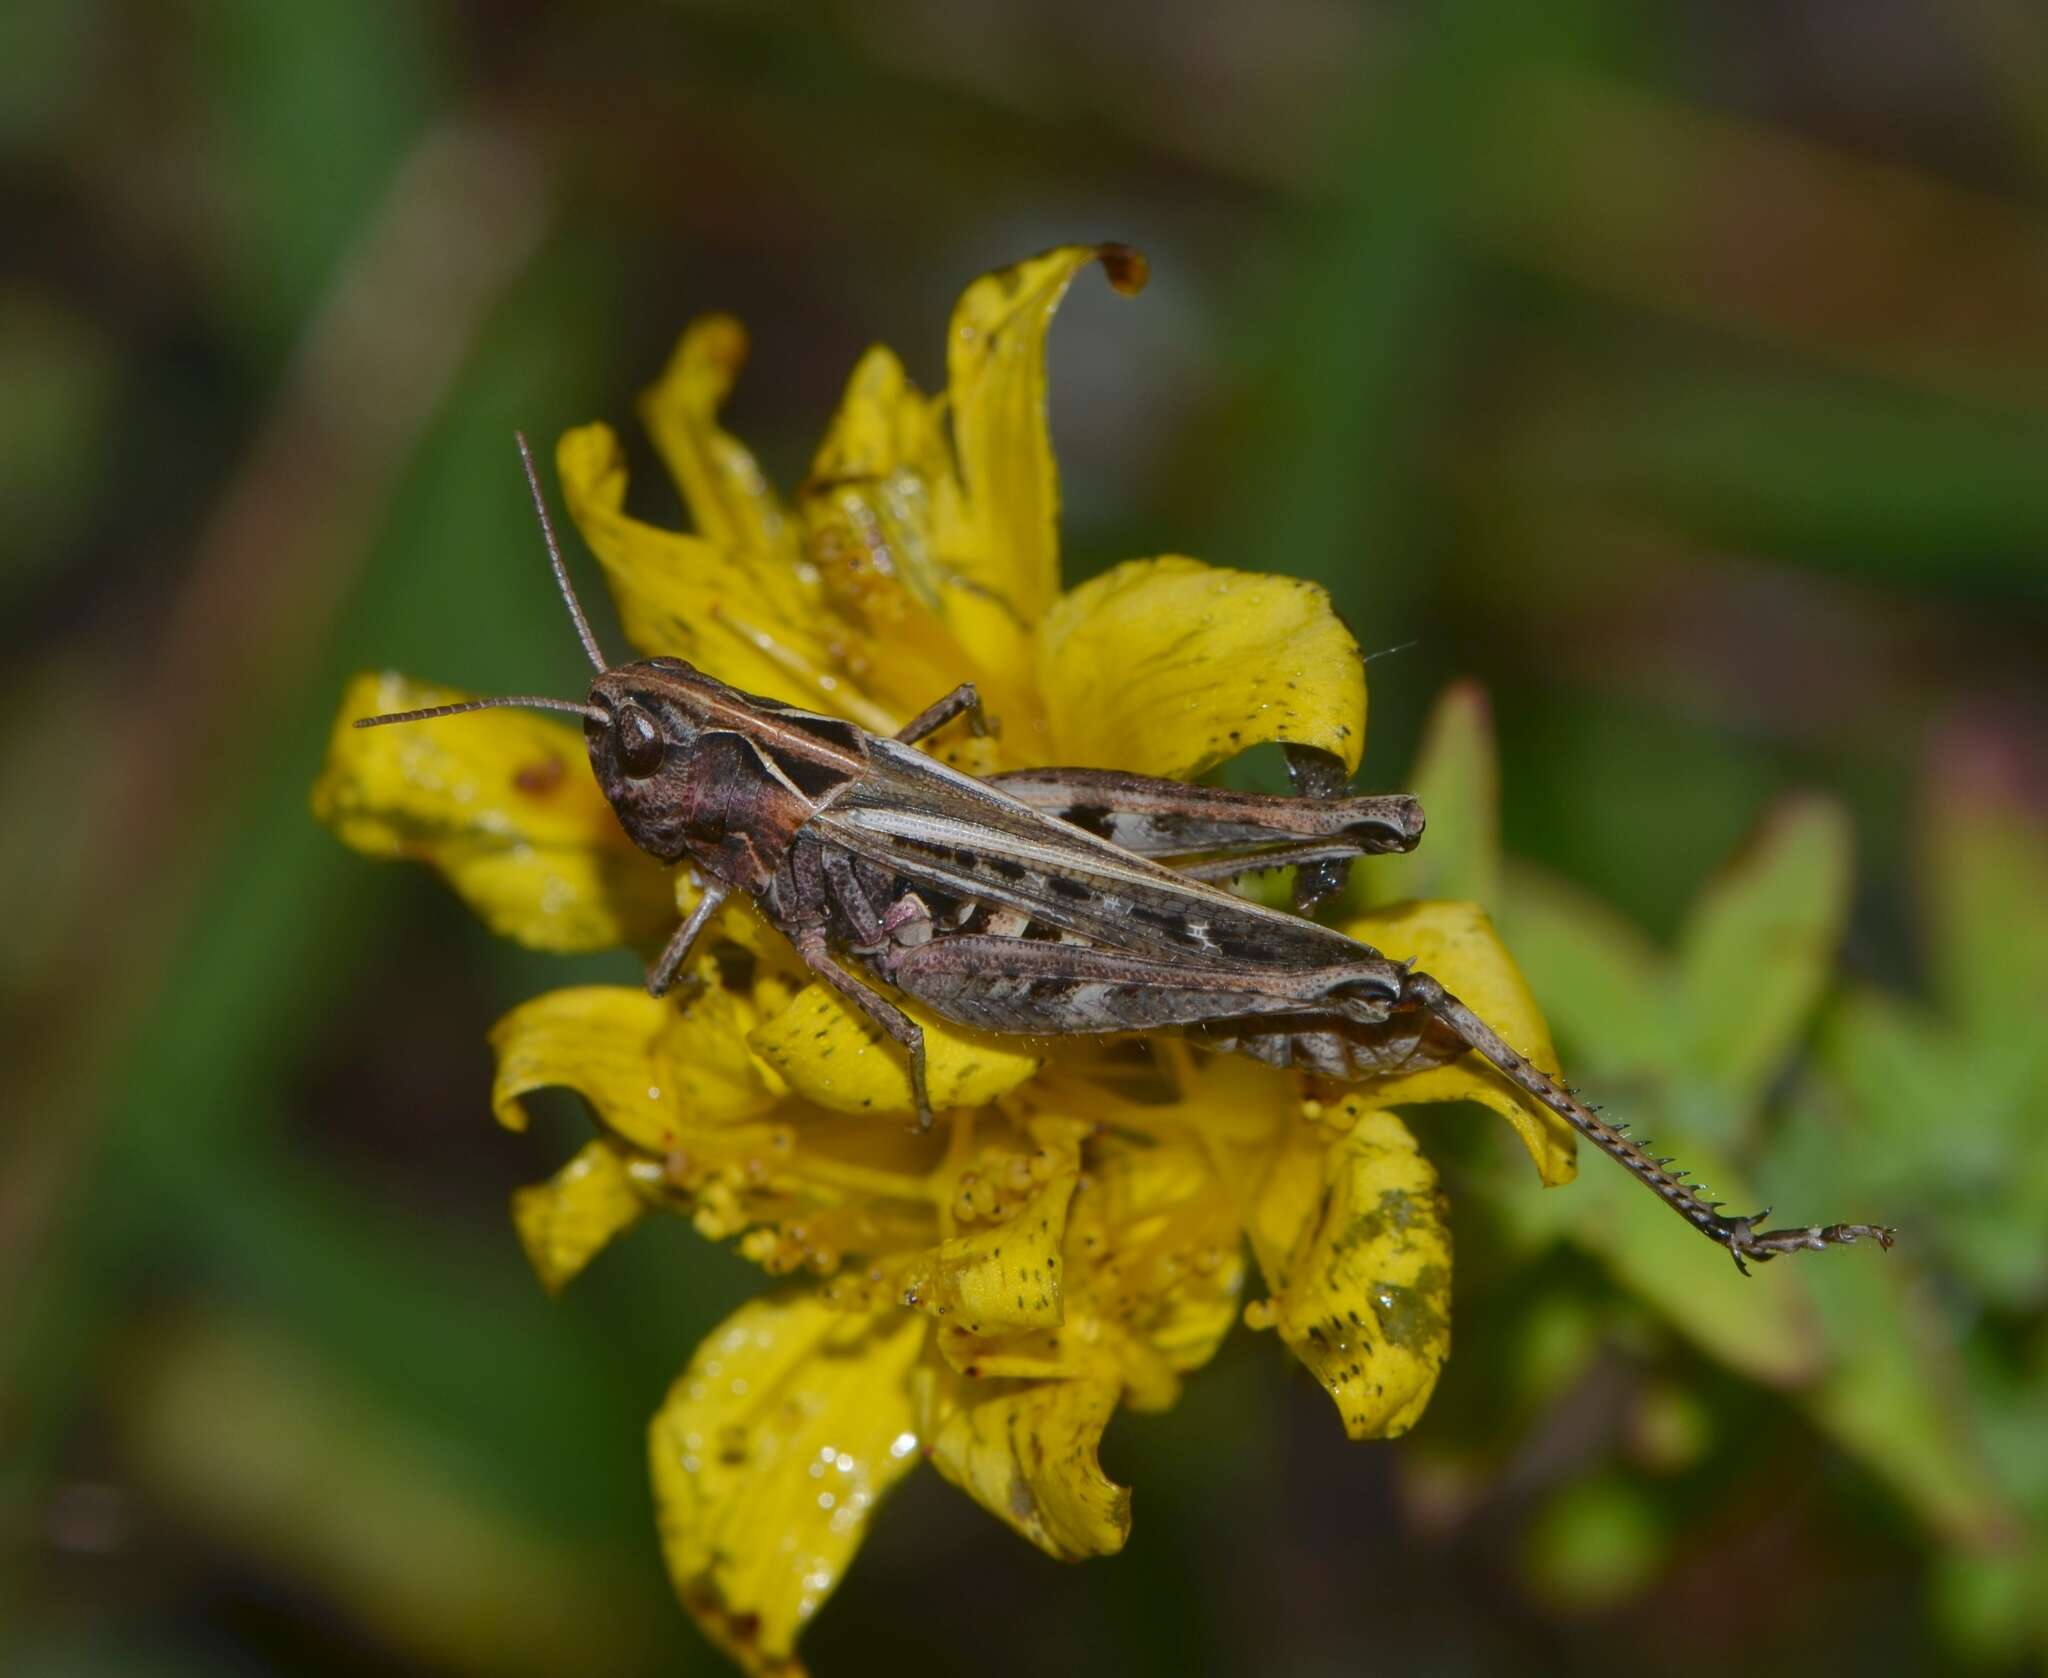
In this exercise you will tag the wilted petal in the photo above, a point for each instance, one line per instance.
(504, 805)
(1456, 942)
(768, 1457)
(565, 1222)
(1352, 1238)
(1169, 666)
(1026, 1452)
(729, 497)
(830, 1052)
(741, 614)
(1000, 1276)
(995, 369)
(652, 1070)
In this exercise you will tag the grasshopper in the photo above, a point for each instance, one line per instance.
(1045, 902)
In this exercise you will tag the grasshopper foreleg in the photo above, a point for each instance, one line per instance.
(1741, 1236)
(670, 962)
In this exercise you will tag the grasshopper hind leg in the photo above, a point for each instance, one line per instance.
(1743, 1237)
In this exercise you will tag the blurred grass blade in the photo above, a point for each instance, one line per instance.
(1987, 890)
(241, 1431)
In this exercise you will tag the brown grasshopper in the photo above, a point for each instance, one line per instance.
(1047, 902)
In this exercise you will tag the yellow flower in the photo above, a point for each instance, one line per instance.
(1072, 1235)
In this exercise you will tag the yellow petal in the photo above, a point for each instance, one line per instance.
(768, 1456)
(504, 805)
(1456, 942)
(742, 614)
(882, 522)
(653, 1070)
(877, 478)
(1026, 1452)
(1155, 1254)
(1001, 1276)
(1169, 666)
(995, 370)
(1362, 1294)
(564, 1222)
(828, 1051)
(729, 497)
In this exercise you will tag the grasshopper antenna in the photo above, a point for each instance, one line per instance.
(531, 701)
(528, 701)
(547, 531)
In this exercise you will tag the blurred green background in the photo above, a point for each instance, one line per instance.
(1678, 373)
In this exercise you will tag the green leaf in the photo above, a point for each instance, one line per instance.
(1892, 1383)
(1760, 1327)
(1890, 1399)
(1758, 945)
(1457, 778)
(1601, 982)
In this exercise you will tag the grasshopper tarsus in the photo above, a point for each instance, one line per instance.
(1745, 1241)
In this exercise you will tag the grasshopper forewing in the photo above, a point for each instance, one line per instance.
(1049, 902)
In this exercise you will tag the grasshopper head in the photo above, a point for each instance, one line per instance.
(661, 739)
(642, 727)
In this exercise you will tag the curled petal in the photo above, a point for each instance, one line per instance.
(503, 805)
(881, 478)
(729, 497)
(768, 1457)
(1168, 666)
(828, 1051)
(1352, 1238)
(1456, 942)
(995, 371)
(741, 614)
(565, 1222)
(652, 1071)
(1026, 1452)
(1003, 1276)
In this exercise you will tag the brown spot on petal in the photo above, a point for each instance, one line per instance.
(538, 780)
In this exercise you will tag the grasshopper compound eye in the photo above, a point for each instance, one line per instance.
(641, 747)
